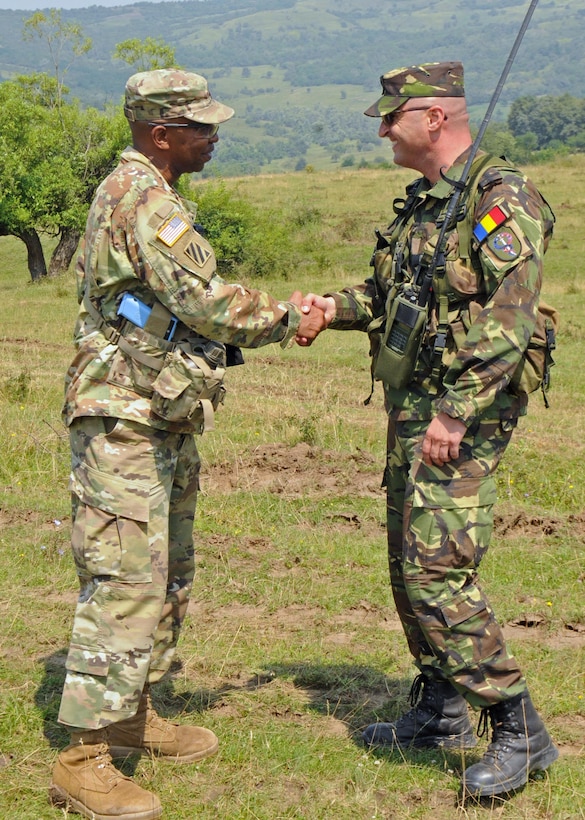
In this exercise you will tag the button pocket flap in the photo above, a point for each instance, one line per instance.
(455, 493)
(460, 609)
(87, 661)
(112, 494)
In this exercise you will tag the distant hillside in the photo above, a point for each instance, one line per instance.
(317, 62)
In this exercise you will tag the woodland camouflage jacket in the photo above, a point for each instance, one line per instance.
(492, 282)
(140, 239)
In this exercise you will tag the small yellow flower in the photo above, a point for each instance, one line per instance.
(549, 603)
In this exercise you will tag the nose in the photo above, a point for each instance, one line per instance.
(384, 129)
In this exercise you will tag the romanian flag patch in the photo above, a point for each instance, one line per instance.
(488, 223)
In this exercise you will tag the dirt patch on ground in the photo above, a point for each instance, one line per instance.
(37, 344)
(300, 470)
(30, 518)
(523, 523)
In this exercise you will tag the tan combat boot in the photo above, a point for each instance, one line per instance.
(146, 732)
(86, 782)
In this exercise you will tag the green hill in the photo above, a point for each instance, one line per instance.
(302, 71)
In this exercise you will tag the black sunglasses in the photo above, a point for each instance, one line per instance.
(208, 130)
(391, 118)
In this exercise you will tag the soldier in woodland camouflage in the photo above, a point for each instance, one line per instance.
(450, 425)
(151, 336)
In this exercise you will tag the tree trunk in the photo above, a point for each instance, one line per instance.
(63, 253)
(36, 257)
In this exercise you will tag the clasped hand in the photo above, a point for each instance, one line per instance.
(318, 312)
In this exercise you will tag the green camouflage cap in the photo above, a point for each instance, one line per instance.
(168, 93)
(427, 80)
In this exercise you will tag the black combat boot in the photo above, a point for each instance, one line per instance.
(520, 745)
(438, 719)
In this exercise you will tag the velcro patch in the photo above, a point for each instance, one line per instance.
(495, 217)
(172, 230)
(505, 245)
(197, 253)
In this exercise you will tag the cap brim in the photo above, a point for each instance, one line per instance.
(212, 113)
(385, 105)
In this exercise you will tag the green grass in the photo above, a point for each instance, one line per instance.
(292, 644)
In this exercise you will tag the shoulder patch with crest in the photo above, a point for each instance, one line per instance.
(176, 238)
(504, 244)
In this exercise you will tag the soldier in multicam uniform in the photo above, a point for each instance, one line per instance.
(155, 326)
(447, 434)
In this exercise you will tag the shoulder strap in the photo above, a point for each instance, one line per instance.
(480, 168)
(486, 172)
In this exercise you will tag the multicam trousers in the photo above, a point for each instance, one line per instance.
(134, 492)
(439, 527)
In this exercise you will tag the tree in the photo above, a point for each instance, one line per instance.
(53, 153)
(146, 55)
(60, 38)
(548, 119)
(51, 161)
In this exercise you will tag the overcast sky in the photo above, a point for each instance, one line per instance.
(33, 5)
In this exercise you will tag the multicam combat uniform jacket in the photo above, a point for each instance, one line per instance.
(140, 239)
(493, 289)
(135, 475)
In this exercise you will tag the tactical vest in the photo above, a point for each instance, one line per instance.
(388, 257)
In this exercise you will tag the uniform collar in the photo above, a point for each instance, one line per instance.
(131, 154)
(442, 189)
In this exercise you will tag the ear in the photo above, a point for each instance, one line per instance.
(160, 137)
(435, 117)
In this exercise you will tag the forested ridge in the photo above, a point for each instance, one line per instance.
(299, 74)
(315, 43)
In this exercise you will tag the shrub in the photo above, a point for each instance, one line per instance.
(254, 243)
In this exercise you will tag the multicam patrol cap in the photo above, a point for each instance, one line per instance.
(168, 93)
(426, 80)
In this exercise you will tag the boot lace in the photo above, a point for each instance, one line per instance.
(420, 699)
(504, 727)
(414, 695)
(103, 761)
(154, 722)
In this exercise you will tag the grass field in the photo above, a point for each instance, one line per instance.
(292, 643)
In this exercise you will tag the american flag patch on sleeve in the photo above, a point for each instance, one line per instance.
(172, 230)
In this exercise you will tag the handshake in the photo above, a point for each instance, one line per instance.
(317, 314)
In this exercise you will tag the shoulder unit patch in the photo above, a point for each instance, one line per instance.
(197, 253)
(505, 245)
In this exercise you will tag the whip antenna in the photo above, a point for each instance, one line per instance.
(459, 185)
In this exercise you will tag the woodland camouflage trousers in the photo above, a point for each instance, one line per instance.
(440, 522)
(134, 492)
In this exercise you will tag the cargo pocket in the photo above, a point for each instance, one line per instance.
(451, 522)
(187, 389)
(110, 531)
